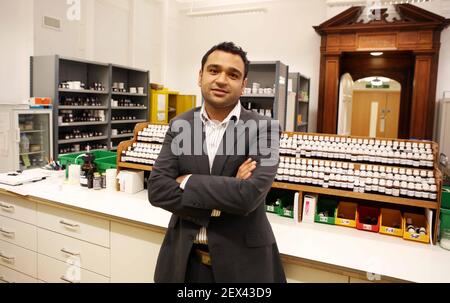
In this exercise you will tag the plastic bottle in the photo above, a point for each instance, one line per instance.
(24, 143)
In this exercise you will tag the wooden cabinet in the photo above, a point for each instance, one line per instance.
(134, 253)
(79, 226)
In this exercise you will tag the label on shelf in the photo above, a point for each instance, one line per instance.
(323, 219)
(367, 226)
(345, 221)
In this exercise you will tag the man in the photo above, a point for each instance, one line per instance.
(219, 230)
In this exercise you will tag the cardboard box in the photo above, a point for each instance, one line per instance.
(309, 207)
(346, 214)
(418, 221)
(391, 222)
(362, 212)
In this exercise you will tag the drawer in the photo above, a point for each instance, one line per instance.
(76, 225)
(18, 258)
(8, 275)
(19, 233)
(54, 271)
(92, 257)
(18, 208)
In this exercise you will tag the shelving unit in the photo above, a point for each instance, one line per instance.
(167, 104)
(269, 74)
(48, 72)
(300, 114)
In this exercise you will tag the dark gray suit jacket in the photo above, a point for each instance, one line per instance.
(241, 241)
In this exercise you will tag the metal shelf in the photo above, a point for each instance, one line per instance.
(128, 94)
(81, 124)
(122, 136)
(129, 107)
(33, 153)
(83, 91)
(127, 121)
(33, 131)
(82, 139)
(82, 107)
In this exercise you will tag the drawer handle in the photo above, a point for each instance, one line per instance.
(71, 225)
(7, 258)
(2, 279)
(67, 280)
(69, 252)
(6, 207)
(6, 233)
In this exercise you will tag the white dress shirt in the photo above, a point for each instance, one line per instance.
(214, 132)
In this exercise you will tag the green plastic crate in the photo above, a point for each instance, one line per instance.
(73, 158)
(103, 164)
(329, 205)
(104, 159)
(445, 197)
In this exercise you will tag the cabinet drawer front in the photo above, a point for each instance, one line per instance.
(8, 275)
(18, 209)
(18, 258)
(92, 257)
(80, 226)
(53, 271)
(19, 233)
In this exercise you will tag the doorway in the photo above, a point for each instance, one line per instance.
(369, 107)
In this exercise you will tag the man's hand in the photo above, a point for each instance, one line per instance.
(245, 170)
(181, 178)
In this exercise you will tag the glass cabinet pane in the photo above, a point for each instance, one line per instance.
(35, 138)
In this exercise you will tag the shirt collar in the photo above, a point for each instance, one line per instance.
(236, 112)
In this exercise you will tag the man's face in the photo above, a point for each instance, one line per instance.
(222, 79)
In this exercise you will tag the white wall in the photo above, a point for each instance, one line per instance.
(126, 32)
(282, 33)
(16, 40)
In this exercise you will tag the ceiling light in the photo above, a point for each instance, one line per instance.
(376, 54)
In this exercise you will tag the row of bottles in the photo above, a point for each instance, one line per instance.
(122, 117)
(77, 134)
(75, 148)
(80, 101)
(125, 103)
(69, 116)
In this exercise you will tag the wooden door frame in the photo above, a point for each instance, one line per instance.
(417, 31)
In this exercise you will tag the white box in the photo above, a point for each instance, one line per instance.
(309, 208)
(131, 181)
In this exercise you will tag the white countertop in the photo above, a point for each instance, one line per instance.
(335, 245)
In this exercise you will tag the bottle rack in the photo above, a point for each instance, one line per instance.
(307, 176)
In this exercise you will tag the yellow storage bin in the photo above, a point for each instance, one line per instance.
(391, 222)
(417, 221)
(346, 214)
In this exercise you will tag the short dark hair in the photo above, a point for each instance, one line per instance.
(232, 48)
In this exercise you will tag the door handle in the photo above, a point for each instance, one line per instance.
(71, 225)
(66, 251)
(7, 233)
(67, 280)
(7, 258)
(2, 279)
(6, 207)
